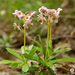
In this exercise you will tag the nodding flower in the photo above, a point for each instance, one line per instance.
(43, 10)
(18, 14)
(50, 14)
(15, 25)
(27, 18)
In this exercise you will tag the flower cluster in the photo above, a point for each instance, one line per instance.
(51, 14)
(27, 18)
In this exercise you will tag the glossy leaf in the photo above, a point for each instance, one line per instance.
(50, 51)
(40, 73)
(33, 69)
(25, 67)
(51, 71)
(50, 44)
(49, 64)
(33, 51)
(34, 58)
(43, 47)
(58, 47)
(62, 60)
(16, 65)
(62, 50)
(15, 54)
(8, 62)
(37, 42)
(26, 50)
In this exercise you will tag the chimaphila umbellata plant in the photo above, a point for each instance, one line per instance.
(49, 60)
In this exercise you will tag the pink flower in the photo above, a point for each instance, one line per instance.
(28, 23)
(57, 12)
(43, 10)
(15, 25)
(18, 14)
(50, 12)
(41, 18)
(32, 14)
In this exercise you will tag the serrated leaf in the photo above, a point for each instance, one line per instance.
(30, 47)
(50, 44)
(16, 65)
(33, 51)
(33, 69)
(25, 67)
(7, 44)
(22, 74)
(37, 42)
(58, 47)
(52, 57)
(8, 62)
(49, 64)
(38, 59)
(40, 73)
(26, 50)
(62, 50)
(15, 54)
(50, 51)
(13, 41)
(4, 38)
(51, 71)
(43, 47)
(62, 60)
(1, 40)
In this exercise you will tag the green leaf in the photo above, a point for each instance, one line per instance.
(58, 47)
(9, 35)
(13, 41)
(30, 47)
(25, 67)
(33, 51)
(43, 47)
(22, 49)
(1, 40)
(40, 73)
(50, 51)
(62, 60)
(8, 62)
(26, 50)
(15, 54)
(49, 64)
(33, 69)
(7, 44)
(34, 58)
(22, 74)
(52, 57)
(16, 65)
(62, 50)
(51, 71)
(50, 42)
(30, 57)
(4, 38)
(37, 42)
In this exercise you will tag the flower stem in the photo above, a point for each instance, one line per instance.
(47, 41)
(24, 37)
(50, 34)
